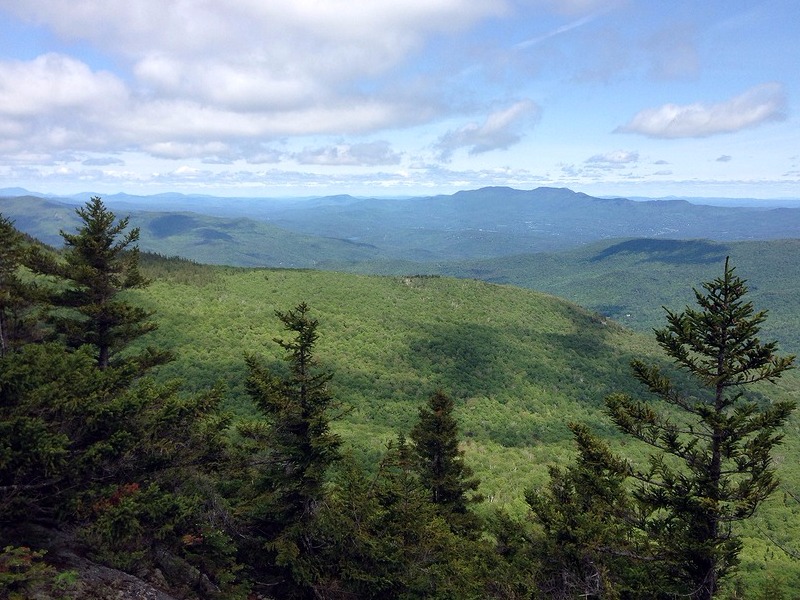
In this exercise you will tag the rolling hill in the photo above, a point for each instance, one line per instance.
(520, 365)
(338, 231)
(631, 280)
(553, 240)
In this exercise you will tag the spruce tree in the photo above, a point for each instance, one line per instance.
(713, 441)
(100, 262)
(440, 462)
(586, 545)
(292, 451)
(18, 298)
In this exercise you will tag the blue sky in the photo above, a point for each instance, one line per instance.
(382, 97)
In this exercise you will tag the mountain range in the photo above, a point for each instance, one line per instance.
(620, 257)
(477, 224)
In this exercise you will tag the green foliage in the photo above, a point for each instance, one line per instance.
(110, 453)
(61, 429)
(587, 545)
(440, 463)
(713, 465)
(293, 449)
(140, 464)
(394, 341)
(533, 363)
(630, 280)
(100, 262)
(18, 295)
(24, 575)
(380, 536)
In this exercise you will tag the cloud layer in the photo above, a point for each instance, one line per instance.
(224, 73)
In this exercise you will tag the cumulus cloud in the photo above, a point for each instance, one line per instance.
(758, 105)
(54, 102)
(193, 26)
(256, 54)
(229, 73)
(177, 150)
(500, 130)
(261, 156)
(54, 83)
(363, 154)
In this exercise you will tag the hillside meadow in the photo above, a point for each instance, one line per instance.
(520, 365)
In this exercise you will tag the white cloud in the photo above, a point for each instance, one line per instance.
(105, 161)
(227, 73)
(289, 41)
(261, 156)
(54, 103)
(240, 87)
(500, 130)
(617, 157)
(754, 107)
(53, 83)
(364, 154)
(186, 150)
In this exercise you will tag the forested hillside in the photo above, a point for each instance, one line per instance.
(520, 365)
(631, 280)
(465, 235)
(407, 437)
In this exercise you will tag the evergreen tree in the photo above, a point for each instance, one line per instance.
(18, 298)
(293, 450)
(713, 460)
(103, 451)
(587, 546)
(101, 261)
(440, 462)
(130, 467)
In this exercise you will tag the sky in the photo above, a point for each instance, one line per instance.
(398, 98)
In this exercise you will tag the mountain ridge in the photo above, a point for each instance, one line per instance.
(468, 225)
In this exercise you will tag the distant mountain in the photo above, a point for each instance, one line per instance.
(340, 231)
(494, 222)
(16, 191)
(39, 217)
(206, 239)
(733, 202)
